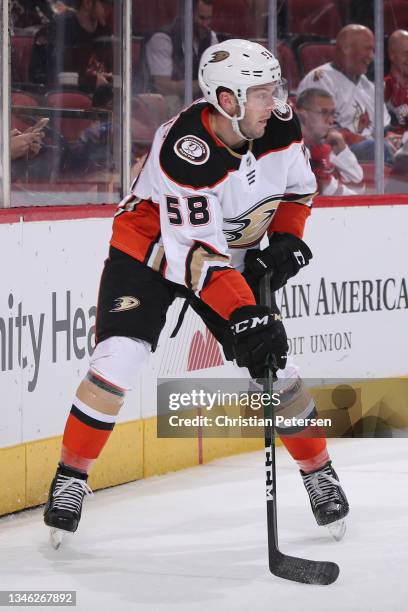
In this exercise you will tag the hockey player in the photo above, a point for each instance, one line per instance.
(219, 176)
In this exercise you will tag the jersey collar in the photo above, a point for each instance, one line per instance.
(205, 118)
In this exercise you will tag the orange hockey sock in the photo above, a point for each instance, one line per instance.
(309, 453)
(84, 438)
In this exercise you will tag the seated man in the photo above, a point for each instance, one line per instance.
(165, 55)
(332, 161)
(396, 98)
(396, 82)
(345, 79)
(75, 49)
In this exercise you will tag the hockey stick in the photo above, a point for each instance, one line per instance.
(281, 565)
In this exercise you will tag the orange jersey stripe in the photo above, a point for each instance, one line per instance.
(135, 232)
(290, 218)
(226, 291)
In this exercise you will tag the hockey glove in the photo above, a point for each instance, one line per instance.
(259, 339)
(284, 257)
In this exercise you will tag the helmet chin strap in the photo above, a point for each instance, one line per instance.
(237, 129)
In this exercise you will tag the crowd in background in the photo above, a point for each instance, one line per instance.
(64, 91)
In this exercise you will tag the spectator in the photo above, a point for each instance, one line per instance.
(30, 159)
(396, 82)
(93, 150)
(396, 97)
(165, 55)
(76, 45)
(331, 159)
(25, 143)
(29, 15)
(345, 79)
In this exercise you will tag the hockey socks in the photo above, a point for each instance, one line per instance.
(86, 433)
(90, 422)
(306, 443)
(309, 453)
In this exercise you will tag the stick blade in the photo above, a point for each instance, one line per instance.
(305, 571)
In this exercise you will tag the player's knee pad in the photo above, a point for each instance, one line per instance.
(113, 367)
(118, 359)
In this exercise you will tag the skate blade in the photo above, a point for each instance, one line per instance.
(337, 529)
(56, 537)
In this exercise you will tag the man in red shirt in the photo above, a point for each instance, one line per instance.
(396, 98)
(396, 82)
(335, 166)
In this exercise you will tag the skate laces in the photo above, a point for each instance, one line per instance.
(69, 493)
(322, 487)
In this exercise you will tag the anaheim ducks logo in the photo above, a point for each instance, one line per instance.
(218, 56)
(125, 302)
(251, 225)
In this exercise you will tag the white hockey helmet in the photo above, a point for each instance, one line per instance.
(237, 65)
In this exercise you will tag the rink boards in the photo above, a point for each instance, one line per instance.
(345, 316)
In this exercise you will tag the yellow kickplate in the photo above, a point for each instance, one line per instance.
(12, 479)
(214, 448)
(121, 459)
(163, 455)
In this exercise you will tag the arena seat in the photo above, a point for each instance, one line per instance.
(152, 15)
(21, 98)
(234, 17)
(317, 17)
(21, 51)
(69, 127)
(290, 69)
(314, 54)
(149, 110)
(395, 15)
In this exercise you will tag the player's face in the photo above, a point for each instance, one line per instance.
(261, 101)
(319, 117)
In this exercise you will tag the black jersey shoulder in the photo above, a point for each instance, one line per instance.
(189, 154)
(279, 134)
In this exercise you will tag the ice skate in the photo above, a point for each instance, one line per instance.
(63, 509)
(327, 498)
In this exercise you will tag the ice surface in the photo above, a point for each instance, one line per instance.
(196, 540)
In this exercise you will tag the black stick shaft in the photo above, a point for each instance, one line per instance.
(284, 566)
(270, 462)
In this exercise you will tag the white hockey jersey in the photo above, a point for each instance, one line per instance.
(354, 101)
(197, 205)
